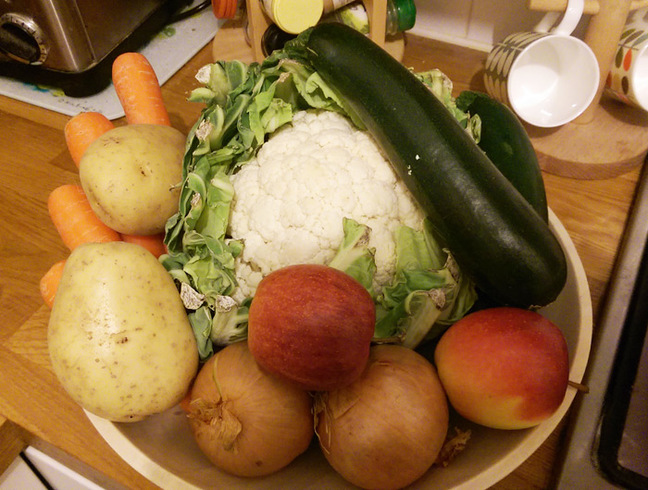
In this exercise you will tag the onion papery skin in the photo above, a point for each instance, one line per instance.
(385, 430)
(248, 422)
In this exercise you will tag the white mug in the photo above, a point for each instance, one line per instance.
(628, 77)
(548, 77)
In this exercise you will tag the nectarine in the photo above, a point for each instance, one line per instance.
(505, 368)
(312, 325)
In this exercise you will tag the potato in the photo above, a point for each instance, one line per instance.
(131, 176)
(119, 338)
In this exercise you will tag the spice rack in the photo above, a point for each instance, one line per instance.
(609, 138)
(259, 22)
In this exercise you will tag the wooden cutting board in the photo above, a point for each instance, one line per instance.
(613, 143)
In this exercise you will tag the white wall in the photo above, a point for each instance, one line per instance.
(475, 23)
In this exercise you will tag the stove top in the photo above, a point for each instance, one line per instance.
(607, 443)
(622, 449)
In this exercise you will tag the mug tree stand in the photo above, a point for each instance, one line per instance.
(610, 138)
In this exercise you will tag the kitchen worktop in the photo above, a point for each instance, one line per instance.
(34, 160)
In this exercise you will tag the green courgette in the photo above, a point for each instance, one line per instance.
(508, 146)
(493, 232)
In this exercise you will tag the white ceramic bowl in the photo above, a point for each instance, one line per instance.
(162, 448)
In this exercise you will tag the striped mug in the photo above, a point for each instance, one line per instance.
(547, 76)
(628, 77)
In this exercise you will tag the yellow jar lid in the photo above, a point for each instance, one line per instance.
(294, 16)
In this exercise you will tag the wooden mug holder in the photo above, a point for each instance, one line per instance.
(609, 138)
(259, 22)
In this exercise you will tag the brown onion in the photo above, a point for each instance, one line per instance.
(386, 429)
(246, 421)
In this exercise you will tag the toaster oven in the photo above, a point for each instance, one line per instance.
(70, 44)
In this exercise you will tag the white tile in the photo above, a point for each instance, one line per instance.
(19, 476)
(443, 17)
(476, 23)
(58, 476)
(493, 20)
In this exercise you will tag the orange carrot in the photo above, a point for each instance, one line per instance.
(50, 281)
(138, 90)
(152, 243)
(82, 130)
(74, 219)
(185, 403)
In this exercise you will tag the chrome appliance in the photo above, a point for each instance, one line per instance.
(71, 44)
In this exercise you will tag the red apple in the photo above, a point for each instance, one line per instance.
(505, 368)
(312, 325)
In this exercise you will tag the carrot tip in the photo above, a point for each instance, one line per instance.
(138, 90)
(50, 281)
(82, 130)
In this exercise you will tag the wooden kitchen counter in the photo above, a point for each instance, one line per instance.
(34, 160)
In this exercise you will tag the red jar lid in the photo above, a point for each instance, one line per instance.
(224, 9)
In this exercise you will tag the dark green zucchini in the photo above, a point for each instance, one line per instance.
(507, 144)
(494, 233)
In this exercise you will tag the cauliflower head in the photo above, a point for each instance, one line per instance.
(290, 200)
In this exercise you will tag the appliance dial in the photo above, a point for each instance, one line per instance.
(22, 39)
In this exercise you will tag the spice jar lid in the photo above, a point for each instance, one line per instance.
(294, 16)
(406, 14)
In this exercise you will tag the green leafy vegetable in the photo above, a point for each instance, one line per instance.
(243, 105)
(427, 290)
(441, 86)
(354, 255)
